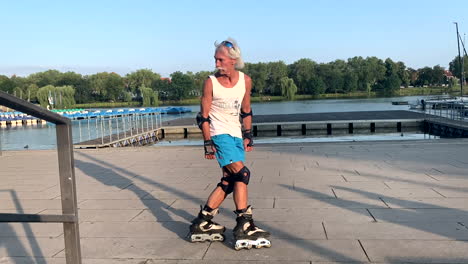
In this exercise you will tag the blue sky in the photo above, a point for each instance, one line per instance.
(167, 36)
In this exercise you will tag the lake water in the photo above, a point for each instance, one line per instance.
(43, 137)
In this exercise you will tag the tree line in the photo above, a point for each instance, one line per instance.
(305, 77)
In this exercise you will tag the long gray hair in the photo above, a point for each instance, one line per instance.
(234, 52)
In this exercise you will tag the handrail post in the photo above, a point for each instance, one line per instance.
(68, 192)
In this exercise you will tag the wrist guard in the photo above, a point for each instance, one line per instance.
(247, 134)
(209, 146)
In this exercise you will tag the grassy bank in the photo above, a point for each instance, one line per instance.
(413, 91)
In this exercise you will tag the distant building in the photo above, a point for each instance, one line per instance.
(448, 74)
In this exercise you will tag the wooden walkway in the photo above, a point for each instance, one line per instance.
(128, 138)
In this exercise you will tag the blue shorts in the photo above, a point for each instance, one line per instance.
(229, 149)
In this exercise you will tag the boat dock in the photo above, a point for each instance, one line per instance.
(123, 139)
(313, 124)
(307, 124)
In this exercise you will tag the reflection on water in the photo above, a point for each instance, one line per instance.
(43, 137)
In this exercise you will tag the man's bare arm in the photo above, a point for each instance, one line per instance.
(205, 107)
(247, 121)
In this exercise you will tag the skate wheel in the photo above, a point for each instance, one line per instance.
(218, 237)
(242, 244)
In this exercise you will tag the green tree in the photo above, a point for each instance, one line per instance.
(302, 72)
(388, 86)
(6, 84)
(31, 91)
(316, 86)
(258, 72)
(140, 78)
(181, 85)
(49, 77)
(288, 88)
(150, 97)
(199, 79)
(454, 66)
(60, 97)
(350, 81)
(79, 83)
(163, 88)
(107, 86)
(97, 85)
(115, 87)
(438, 77)
(276, 71)
(332, 76)
(425, 76)
(403, 74)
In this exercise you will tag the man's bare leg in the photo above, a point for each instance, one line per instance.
(198, 230)
(240, 188)
(217, 197)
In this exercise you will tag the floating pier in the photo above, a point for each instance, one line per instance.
(338, 123)
(124, 139)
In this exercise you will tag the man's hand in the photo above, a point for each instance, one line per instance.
(209, 149)
(248, 140)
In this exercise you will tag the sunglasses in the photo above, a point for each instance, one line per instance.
(227, 44)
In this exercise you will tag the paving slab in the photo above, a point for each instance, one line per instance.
(30, 246)
(293, 250)
(427, 203)
(329, 203)
(397, 230)
(419, 215)
(141, 248)
(416, 251)
(397, 202)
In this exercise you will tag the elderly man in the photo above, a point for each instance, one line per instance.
(226, 96)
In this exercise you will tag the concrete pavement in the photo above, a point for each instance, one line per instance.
(357, 202)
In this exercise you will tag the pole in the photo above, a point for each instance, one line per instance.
(102, 133)
(110, 129)
(79, 127)
(459, 61)
(118, 133)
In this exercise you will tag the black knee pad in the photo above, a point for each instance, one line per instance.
(241, 176)
(227, 188)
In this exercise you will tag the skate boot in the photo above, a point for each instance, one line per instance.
(247, 234)
(203, 229)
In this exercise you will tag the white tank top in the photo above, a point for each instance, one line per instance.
(225, 108)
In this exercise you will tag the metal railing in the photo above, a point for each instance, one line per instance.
(456, 112)
(113, 128)
(69, 216)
